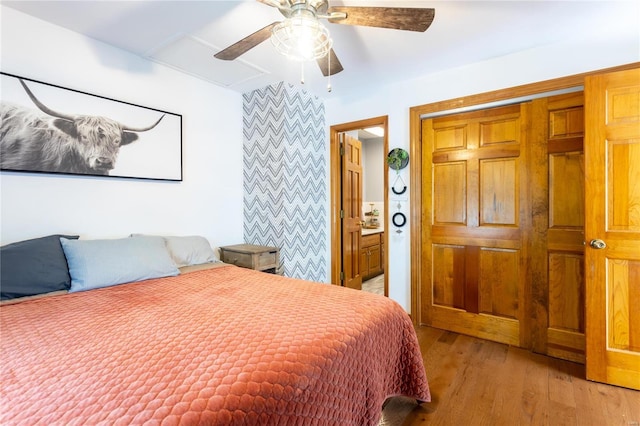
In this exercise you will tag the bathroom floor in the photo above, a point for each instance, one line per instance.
(374, 285)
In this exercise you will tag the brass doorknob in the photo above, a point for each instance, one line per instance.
(597, 244)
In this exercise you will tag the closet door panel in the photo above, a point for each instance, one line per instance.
(624, 185)
(450, 138)
(450, 193)
(566, 122)
(475, 188)
(566, 292)
(449, 277)
(566, 190)
(499, 282)
(498, 192)
(499, 132)
(624, 334)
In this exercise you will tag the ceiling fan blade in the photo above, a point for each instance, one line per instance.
(280, 4)
(247, 43)
(323, 63)
(398, 18)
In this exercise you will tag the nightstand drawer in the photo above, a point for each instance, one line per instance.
(260, 258)
(267, 260)
(239, 259)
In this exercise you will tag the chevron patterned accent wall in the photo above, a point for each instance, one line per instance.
(285, 177)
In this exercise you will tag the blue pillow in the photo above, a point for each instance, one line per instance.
(103, 263)
(33, 267)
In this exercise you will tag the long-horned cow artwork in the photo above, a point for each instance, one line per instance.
(58, 142)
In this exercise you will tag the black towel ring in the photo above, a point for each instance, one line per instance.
(399, 219)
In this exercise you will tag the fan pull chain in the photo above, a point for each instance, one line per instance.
(329, 62)
(301, 72)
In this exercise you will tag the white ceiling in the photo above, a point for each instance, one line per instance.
(186, 34)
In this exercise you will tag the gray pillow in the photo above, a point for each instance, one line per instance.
(102, 263)
(187, 250)
(190, 250)
(34, 266)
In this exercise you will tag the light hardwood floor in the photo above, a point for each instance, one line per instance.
(477, 382)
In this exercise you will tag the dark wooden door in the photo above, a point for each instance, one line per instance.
(556, 140)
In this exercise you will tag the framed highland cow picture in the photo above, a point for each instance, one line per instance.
(46, 128)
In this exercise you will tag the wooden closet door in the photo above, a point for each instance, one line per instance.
(557, 242)
(612, 218)
(474, 194)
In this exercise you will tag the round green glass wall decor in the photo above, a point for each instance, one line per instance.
(398, 158)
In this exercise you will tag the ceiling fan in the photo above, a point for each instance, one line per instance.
(302, 37)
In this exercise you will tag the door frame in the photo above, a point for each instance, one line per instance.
(415, 151)
(335, 173)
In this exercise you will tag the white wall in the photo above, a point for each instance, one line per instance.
(592, 52)
(207, 202)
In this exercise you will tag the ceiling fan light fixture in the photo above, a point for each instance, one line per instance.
(302, 37)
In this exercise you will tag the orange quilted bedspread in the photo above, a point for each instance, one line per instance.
(220, 346)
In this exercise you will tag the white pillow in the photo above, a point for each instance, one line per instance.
(188, 250)
(102, 263)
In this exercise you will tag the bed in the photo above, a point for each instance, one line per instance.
(211, 344)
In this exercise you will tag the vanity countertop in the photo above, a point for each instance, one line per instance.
(372, 231)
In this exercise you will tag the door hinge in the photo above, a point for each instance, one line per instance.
(341, 277)
(341, 214)
(341, 149)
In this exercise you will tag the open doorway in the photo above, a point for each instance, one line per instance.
(358, 239)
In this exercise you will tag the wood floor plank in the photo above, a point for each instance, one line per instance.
(561, 414)
(560, 384)
(616, 404)
(498, 352)
(477, 382)
(589, 407)
(427, 336)
(633, 399)
(468, 392)
(443, 362)
(535, 395)
(510, 384)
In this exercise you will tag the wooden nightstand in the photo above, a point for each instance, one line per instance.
(260, 258)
